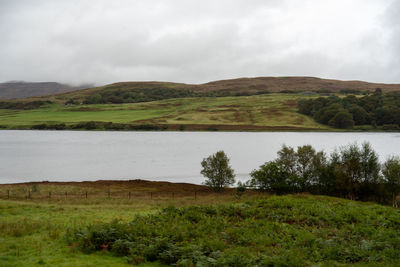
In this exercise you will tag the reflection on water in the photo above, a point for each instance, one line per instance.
(171, 156)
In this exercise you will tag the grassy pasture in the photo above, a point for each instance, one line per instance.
(295, 229)
(33, 230)
(267, 112)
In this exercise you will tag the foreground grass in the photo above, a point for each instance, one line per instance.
(33, 230)
(275, 231)
(256, 229)
(273, 112)
(32, 233)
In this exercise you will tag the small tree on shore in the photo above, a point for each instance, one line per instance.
(216, 168)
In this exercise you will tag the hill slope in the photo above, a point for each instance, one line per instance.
(11, 90)
(241, 86)
(269, 112)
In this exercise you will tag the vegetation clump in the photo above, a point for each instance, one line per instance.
(24, 105)
(100, 125)
(352, 172)
(375, 109)
(275, 231)
(119, 94)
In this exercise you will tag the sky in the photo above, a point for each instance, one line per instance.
(103, 41)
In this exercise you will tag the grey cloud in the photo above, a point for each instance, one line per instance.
(197, 41)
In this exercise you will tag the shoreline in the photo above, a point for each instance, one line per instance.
(99, 182)
(258, 129)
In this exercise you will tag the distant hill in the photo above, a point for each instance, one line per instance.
(128, 92)
(12, 90)
(271, 84)
(276, 84)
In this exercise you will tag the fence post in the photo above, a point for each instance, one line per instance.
(86, 194)
(173, 195)
(109, 193)
(49, 194)
(8, 194)
(29, 193)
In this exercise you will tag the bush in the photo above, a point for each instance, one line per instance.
(240, 189)
(41, 126)
(391, 127)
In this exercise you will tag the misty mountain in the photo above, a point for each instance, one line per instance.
(19, 89)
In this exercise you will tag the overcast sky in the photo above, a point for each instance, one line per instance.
(104, 41)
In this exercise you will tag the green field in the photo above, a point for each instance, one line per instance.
(258, 112)
(293, 230)
(33, 231)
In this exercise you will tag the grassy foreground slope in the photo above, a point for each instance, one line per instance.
(293, 230)
(33, 230)
(257, 112)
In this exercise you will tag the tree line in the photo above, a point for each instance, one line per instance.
(24, 104)
(135, 95)
(351, 171)
(377, 109)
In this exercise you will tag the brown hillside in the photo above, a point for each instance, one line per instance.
(276, 84)
(241, 85)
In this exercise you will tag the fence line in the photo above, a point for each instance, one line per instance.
(29, 194)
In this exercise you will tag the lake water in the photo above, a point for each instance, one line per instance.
(158, 156)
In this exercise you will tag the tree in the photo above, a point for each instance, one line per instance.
(360, 116)
(356, 168)
(287, 160)
(216, 168)
(370, 166)
(343, 120)
(310, 166)
(292, 171)
(270, 177)
(391, 172)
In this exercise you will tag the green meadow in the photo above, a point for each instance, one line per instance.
(34, 231)
(253, 230)
(267, 112)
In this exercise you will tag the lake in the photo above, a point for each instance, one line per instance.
(157, 156)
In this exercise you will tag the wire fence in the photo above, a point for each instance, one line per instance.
(31, 195)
